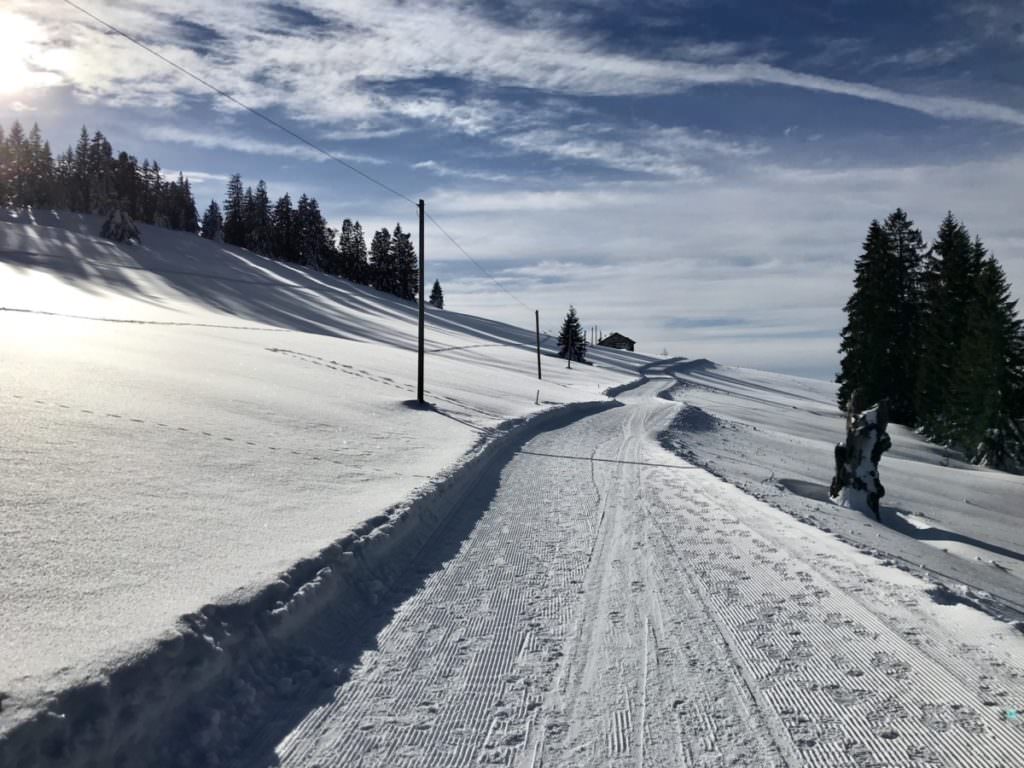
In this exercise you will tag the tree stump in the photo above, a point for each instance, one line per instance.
(856, 484)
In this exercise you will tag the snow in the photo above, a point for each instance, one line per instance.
(773, 436)
(615, 605)
(863, 480)
(228, 539)
(183, 421)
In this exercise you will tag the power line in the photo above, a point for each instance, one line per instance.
(238, 103)
(293, 134)
(478, 265)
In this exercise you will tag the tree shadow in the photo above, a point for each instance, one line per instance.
(897, 520)
(244, 284)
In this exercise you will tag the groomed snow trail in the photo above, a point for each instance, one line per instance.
(617, 606)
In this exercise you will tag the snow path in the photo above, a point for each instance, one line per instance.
(617, 606)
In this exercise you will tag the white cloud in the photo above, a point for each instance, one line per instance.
(652, 150)
(197, 178)
(440, 169)
(215, 139)
(332, 75)
(770, 251)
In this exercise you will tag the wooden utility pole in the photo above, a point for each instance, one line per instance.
(536, 317)
(419, 365)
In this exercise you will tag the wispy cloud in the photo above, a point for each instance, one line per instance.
(440, 169)
(404, 42)
(656, 151)
(214, 139)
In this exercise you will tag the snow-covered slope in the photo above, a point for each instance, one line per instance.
(773, 436)
(183, 421)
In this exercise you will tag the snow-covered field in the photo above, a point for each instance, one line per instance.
(228, 540)
(615, 605)
(183, 421)
(773, 435)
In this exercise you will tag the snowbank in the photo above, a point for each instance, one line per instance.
(171, 704)
(183, 422)
(773, 436)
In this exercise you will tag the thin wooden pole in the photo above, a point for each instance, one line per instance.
(536, 317)
(419, 364)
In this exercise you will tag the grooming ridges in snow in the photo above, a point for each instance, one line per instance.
(233, 542)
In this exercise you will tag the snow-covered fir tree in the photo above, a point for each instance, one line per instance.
(213, 223)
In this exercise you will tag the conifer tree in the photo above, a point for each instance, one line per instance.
(572, 344)
(984, 415)
(352, 252)
(283, 245)
(259, 234)
(39, 161)
(949, 283)
(213, 223)
(234, 212)
(315, 248)
(863, 339)
(17, 147)
(405, 265)
(883, 314)
(5, 169)
(82, 201)
(437, 295)
(381, 273)
(101, 183)
(358, 255)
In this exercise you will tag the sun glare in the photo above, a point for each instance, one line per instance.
(22, 42)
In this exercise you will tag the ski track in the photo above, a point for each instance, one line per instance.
(636, 611)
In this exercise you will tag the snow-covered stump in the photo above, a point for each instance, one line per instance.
(120, 227)
(856, 484)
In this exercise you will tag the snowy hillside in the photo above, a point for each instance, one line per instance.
(184, 421)
(772, 435)
(228, 539)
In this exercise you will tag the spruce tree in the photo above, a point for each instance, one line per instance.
(315, 248)
(950, 278)
(357, 256)
(40, 169)
(572, 344)
(17, 149)
(82, 202)
(213, 223)
(259, 236)
(879, 341)
(865, 338)
(5, 169)
(234, 212)
(984, 415)
(381, 273)
(282, 218)
(437, 295)
(405, 265)
(352, 252)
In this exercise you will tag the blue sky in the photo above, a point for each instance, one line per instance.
(697, 175)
